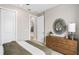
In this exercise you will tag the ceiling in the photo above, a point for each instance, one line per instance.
(36, 8)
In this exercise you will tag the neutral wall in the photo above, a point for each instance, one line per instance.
(67, 12)
(77, 22)
(22, 22)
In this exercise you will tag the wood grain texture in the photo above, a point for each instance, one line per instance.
(62, 45)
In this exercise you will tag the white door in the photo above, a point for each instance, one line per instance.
(40, 29)
(8, 25)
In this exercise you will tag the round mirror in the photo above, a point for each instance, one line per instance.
(59, 26)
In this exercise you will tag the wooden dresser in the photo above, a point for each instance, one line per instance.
(62, 45)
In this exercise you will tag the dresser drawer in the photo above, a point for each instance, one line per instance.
(62, 45)
(66, 52)
(71, 42)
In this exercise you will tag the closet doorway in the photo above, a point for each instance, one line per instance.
(32, 27)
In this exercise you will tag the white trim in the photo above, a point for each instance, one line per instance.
(16, 26)
(29, 25)
(0, 28)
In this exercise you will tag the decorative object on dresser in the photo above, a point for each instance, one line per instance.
(50, 33)
(72, 30)
(62, 45)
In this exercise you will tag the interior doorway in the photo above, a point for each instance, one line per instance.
(32, 27)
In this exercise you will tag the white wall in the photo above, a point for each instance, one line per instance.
(67, 12)
(22, 19)
(22, 25)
